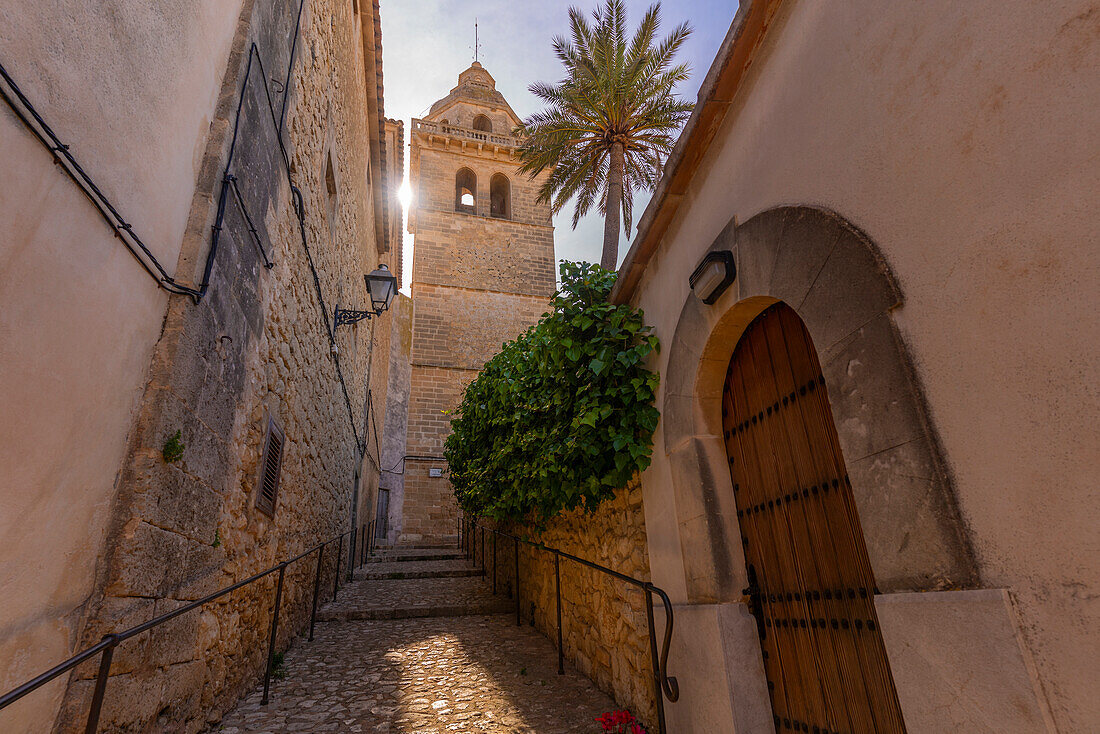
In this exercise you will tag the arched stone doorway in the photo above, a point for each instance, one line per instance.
(811, 587)
(832, 276)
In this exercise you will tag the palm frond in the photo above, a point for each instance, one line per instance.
(618, 88)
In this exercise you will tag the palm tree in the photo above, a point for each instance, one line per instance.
(609, 124)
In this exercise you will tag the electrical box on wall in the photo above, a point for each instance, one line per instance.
(435, 472)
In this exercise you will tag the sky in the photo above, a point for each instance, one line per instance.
(426, 43)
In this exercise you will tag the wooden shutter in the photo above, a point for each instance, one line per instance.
(271, 466)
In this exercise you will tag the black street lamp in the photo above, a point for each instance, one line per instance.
(381, 287)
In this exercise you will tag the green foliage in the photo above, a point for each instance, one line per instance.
(563, 415)
(278, 667)
(173, 448)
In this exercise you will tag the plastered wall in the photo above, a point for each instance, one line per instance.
(78, 315)
(961, 138)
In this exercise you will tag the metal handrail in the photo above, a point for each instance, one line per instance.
(664, 685)
(105, 647)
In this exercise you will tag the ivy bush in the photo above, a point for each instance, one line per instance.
(563, 415)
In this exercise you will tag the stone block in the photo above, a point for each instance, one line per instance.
(757, 245)
(710, 541)
(853, 287)
(143, 560)
(958, 662)
(697, 661)
(870, 392)
(167, 497)
(923, 551)
(808, 239)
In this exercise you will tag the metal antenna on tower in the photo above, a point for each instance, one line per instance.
(477, 45)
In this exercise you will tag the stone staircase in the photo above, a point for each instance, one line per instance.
(416, 643)
(409, 582)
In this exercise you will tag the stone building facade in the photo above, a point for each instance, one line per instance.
(288, 173)
(483, 271)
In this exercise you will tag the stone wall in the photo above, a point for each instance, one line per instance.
(257, 346)
(397, 414)
(604, 627)
(430, 509)
(445, 334)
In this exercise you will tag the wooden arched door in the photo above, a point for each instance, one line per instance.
(811, 586)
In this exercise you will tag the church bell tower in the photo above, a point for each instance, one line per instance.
(483, 271)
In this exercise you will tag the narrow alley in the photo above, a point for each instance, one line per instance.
(417, 642)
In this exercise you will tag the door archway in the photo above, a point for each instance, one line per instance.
(811, 584)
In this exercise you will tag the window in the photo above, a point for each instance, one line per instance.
(332, 197)
(500, 204)
(481, 122)
(466, 191)
(271, 466)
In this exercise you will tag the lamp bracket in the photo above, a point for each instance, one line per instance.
(345, 316)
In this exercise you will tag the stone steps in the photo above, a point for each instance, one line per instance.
(499, 606)
(433, 569)
(441, 554)
(445, 596)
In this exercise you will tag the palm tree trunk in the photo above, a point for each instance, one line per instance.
(614, 207)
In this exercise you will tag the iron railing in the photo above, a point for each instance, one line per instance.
(664, 686)
(105, 648)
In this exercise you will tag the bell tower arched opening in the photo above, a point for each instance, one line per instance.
(466, 191)
(500, 197)
(483, 124)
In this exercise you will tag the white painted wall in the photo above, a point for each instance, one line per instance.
(964, 138)
(131, 86)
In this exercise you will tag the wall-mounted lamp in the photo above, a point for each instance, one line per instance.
(713, 276)
(381, 287)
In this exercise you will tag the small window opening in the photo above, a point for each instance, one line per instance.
(331, 195)
(271, 466)
(500, 204)
(482, 123)
(466, 191)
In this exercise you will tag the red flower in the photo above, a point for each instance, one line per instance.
(617, 722)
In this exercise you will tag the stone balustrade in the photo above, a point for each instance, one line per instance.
(428, 127)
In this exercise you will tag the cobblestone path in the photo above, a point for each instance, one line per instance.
(416, 674)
